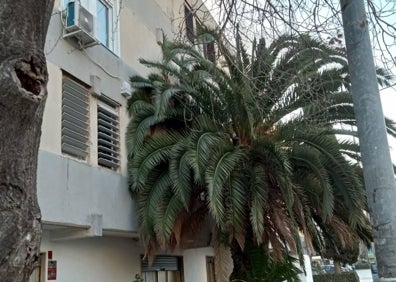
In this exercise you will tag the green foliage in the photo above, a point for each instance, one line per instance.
(333, 277)
(257, 264)
(250, 147)
(362, 265)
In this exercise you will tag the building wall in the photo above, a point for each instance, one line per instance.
(87, 188)
(307, 276)
(96, 259)
(194, 261)
(70, 192)
(89, 217)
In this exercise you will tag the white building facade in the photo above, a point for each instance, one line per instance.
(89, 219)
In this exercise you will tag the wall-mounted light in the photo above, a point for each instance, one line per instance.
(126, 89)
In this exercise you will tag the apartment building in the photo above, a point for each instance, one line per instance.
(90, 228)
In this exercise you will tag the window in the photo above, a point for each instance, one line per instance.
(108, 134)
(103, 11)
(210, 52)
(207, 47)
(189, 21)
(163, 269)
(103, 19)
(74, 118)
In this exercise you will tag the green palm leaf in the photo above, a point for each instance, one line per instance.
(262, 149)
(155, 151)
(222, 163)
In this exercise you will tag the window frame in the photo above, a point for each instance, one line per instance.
(167, 265)
(109, 24)
(210, 268)
(210, 51)
(189, 22)
(112, 20)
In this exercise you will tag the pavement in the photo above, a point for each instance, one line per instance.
(365, 275)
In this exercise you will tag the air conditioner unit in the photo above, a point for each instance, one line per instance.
(79, 26)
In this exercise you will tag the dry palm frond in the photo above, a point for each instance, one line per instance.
(223, 262)
(344, 233)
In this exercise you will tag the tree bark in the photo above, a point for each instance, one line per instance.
(23, 80)
(241, 263)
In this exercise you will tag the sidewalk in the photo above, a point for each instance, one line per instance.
(365, 275)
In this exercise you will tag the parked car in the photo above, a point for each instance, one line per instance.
(329, 268)
(374, 271)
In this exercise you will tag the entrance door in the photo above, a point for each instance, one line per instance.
(38, 274)
(210, 269)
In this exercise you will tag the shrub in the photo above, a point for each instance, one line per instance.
(333, 277)
(362, 265)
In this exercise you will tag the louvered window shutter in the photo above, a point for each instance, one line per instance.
(74, 118)
(108, 136)
(162, 263)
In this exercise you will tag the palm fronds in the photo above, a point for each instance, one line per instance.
(252, 148)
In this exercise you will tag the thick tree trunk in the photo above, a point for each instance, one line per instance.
(241, 263)
(23, 80)
(251, 263)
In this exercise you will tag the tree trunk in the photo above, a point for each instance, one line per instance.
(254, 263)
(23, 80)
(241, 263)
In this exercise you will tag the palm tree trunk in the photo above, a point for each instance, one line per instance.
(223, 262)
(241, 263)
(249, 263)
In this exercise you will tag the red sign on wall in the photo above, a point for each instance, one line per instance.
(51, 270)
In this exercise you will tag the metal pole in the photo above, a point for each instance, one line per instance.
(377, 165)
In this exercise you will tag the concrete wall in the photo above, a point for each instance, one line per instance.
(80, 199)
(51, 128)
(111, 259)
(194, 261)
(81, 187)
(70, 191)
(307, 277)
(102, 259)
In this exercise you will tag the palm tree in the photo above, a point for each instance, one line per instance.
(249, 149)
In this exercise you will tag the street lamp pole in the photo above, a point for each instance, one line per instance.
(377, 164)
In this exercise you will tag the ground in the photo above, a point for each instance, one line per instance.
(365, 275)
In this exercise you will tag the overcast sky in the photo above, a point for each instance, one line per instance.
(388, 98)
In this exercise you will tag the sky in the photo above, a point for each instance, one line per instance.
(388, 100)
(388, 96)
